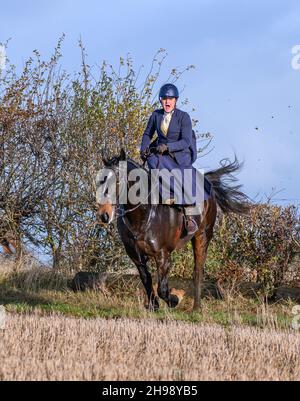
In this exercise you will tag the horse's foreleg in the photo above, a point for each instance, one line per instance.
(141, 263)
(200, 245)
(147, 282)
(163, 263)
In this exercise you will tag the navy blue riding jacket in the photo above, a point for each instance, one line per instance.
(179, 138)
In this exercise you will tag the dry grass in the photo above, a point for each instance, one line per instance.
(44, 291)
(7, 265)
(64, 348)
(114, 338)
(26, 264)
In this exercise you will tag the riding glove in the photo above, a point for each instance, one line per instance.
(162, 148)
(144, 154)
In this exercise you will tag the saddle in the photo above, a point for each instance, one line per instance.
(193, 147)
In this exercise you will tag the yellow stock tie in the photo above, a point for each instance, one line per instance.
(166, 122)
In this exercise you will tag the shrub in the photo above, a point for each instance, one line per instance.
(256, 247)
(53, 128)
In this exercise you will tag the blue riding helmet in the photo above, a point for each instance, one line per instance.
(168, 90)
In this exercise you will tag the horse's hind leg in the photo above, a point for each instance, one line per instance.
(200, 245)
(163, 267)
(141, 263)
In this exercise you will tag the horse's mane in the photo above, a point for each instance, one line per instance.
(113, 161)
(136, 165)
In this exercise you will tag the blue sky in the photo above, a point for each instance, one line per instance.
(243, 78)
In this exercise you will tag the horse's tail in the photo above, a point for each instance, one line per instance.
(229, 197)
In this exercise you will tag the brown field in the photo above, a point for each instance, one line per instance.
(64, 348)
(52, 333)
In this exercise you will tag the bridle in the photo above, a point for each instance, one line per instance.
(121, 212)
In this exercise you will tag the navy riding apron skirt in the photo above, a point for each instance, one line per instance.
(186, 185)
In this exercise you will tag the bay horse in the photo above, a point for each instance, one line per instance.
(154, 231)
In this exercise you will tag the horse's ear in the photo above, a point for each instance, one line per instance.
(122, 155)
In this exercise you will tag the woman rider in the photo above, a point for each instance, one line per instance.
(176, 148)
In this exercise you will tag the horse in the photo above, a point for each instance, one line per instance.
(155, 231)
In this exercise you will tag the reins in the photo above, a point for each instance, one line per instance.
(121, 212)
(125, 212)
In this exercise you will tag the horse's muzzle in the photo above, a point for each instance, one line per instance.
(104, 218)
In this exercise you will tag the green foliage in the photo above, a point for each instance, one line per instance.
(256, 247)
(53, 127)
(183, 262)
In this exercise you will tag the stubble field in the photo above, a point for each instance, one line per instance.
(36, 347)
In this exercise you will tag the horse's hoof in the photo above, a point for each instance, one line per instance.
(178, 293)
(152, 307)
(197, 308)
(173, 301)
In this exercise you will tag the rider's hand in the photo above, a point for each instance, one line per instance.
(144, 154)
(162, 148)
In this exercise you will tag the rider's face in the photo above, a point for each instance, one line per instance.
(168, 103)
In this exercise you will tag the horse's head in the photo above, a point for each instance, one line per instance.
(108, 182)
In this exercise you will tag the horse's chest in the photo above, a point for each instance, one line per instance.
(148, 246)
